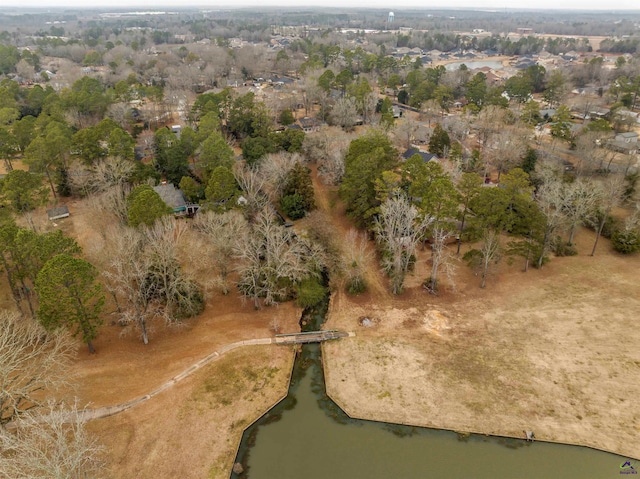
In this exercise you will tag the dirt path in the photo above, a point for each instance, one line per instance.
(106, 411)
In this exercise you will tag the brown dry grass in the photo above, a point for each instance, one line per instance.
(552, 351)
(193, 430)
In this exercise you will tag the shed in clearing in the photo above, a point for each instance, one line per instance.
(58, 213)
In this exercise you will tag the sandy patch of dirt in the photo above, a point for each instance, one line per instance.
(551, 350)
(15, 164)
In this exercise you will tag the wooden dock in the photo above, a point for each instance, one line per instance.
(311, 337)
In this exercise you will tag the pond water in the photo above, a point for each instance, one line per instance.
(308, 436)
(475, 64)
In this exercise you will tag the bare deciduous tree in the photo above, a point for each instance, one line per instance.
(506, 148)
(589, 155)
(125, 274)
(490, 120)
(111, 202)
(327, 148)
(430, 110)
(311, 91)
(54, 444)
(552, 199)
(252, 184)
(275, 168)
(101, 176)
(272, 259)
(440, 235)
(345, 112)
(224, 232)
(405, 131)
(118, 113)
(399, 230)
(579, 201)
(31, 361)
(175, 295)
(610, 194)
(487, 256)
(144, 269)
(369, 103)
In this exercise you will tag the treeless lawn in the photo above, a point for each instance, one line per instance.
(193, 429)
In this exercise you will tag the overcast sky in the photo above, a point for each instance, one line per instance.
(386, 4)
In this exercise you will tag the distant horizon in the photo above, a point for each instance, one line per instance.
(469, 5)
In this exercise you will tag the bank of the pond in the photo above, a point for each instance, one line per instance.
(261, 414)
(307, 435)
(549, 352)
(466, 432)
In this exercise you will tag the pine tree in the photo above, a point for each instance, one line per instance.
(439, 143)
(297, 194)
(70, 296)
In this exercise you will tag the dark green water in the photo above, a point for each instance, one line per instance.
(308, 436)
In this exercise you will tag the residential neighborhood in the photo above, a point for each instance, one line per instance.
(318, 241)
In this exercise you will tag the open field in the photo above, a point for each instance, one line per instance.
(553, 351)
(193, 429)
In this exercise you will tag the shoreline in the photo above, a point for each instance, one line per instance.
(294, 352)
(539, 353)
(356, 416)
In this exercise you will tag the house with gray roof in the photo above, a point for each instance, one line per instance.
(425, 155)
(172, 196)
(625, 143)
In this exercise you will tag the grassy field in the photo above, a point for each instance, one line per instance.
(193, 429)
(551, 350)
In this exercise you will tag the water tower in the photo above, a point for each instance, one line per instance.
(390, 19)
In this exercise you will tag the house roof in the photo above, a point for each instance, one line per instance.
(629, 134)
(171, 195)
(623, 146)
(57, 213)
(308, 122)
(492, 77)
(426, 156)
